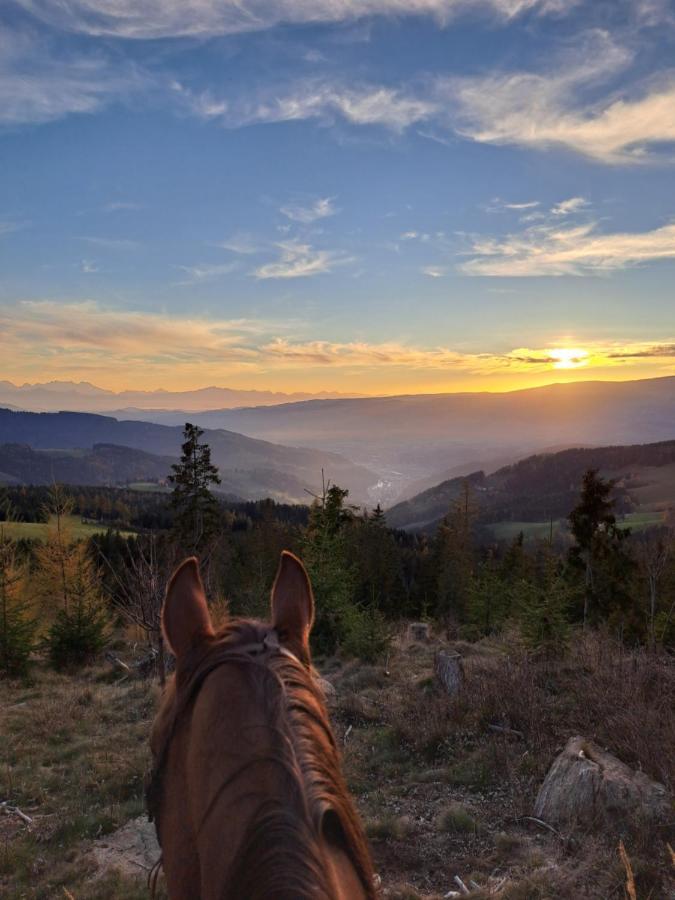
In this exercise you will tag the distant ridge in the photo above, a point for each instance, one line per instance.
(55, 396)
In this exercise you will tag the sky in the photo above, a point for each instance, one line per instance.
(367, 196)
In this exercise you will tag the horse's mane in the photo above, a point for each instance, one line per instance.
(280, 854)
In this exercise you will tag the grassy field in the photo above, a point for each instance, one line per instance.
(441, 794)
(148, 487)
(507, 531)
(37, 531)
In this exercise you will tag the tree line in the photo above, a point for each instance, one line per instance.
(66, 596)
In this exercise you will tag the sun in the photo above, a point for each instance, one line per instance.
(569, 357)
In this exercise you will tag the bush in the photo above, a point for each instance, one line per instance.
(455, 818)
(77, 636)
(366, 635)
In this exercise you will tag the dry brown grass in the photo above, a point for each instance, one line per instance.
(73, 757)
(442, 754)
(74, 751)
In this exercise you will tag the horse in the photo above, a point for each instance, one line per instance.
(246, 791)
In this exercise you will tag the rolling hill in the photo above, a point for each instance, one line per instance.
(249, 468)
(103, 464)
(422, 438)
(546, 486)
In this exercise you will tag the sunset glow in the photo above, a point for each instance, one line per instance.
(566, 358)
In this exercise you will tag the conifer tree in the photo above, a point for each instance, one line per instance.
(455, 555)
(597, 536)
(543, 608)
(340, 621)
(68, 587)
(196, 509)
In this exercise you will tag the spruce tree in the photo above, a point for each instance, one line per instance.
(68, 587)
(454, 554)
(196, 509)
(597, 541)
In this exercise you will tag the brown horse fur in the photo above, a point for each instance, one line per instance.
(248, 797)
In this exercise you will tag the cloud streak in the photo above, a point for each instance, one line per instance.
(321, 208)
(38, 85)
(148, 19)
(547, 110)
(575, 250)
(299, 260)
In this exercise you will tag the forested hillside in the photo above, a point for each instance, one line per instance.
(249, 468)
(544, 486)
(104, 464)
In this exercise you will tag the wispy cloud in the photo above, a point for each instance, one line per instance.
(112, 243)
(387, 107)
(205, 272)
(321, 208)
(240, 242)
(174, 18)
(88, 267)
(434, 271)
(9, 227)
(574, 250)
(121, 205)
(39, 84)
(544, 110)
(498, 205)
(566, 207)
(298, 260)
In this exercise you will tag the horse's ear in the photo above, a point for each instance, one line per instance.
(185, 616)
(292, 603)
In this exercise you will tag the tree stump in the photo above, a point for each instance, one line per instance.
(449, 670)
(587, 787)
(419, 632)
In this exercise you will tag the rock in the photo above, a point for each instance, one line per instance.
(449, 670)
(419, 632)
(587, 787)
(132, 849)
(327, 689)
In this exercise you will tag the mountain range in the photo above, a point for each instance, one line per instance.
(54, 396)
(249, 468)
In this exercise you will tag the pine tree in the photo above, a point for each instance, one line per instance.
(68, 587)
(455, 555)
(543, 610)
(597, 538)
(340, 622)
(196, 509)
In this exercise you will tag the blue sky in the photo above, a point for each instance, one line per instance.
(338, 195)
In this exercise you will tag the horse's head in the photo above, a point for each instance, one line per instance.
(246, 792)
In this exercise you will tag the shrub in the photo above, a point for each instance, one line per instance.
(456, 818)
(77, 635)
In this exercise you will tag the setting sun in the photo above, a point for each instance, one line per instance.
(569, 358)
